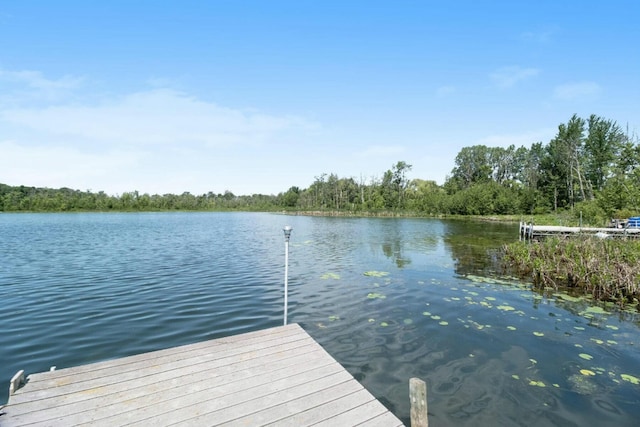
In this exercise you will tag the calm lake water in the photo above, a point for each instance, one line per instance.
(390, 299)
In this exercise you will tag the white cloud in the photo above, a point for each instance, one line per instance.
(158, 116)
(157, 140)
(27, 86)
(507, 77)
(571, 91)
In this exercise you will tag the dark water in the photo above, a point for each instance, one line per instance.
(79, 288)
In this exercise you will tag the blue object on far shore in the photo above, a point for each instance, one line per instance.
(634, 222)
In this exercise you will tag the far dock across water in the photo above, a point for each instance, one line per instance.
(531, 232)
(278, 376)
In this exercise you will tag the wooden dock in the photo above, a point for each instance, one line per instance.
(533, 232)
(279, 376)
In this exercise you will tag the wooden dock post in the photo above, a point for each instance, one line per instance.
(418, 396)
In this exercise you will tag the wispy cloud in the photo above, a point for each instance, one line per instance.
(571, 91)
(28, 85)
(157, 116)
(444, 91)
(155, 140)
(507, 77)
(540, 36)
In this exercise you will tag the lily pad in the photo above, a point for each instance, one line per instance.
(505, 308)
(585, 356)
(444, 323)
(374, 295)
(332, 276)
(511, 328)
(630, 378)
(334, 318)
(384, 324)
(426, 313)
(407, 321)
(595, 310)
(537, 383)
(538, 334)
(374, 273)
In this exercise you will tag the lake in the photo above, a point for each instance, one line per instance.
(389, 298)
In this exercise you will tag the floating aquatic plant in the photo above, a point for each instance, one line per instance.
(585, 356)
(334, 318)
(426, 313)
(538, 334)
(384, 324)
(374, 295)
(407, 321)
(630, 378)
(511, 328)
(332, 276)
(537, 383)
(374, 273)
(444, 323)
(505, 308)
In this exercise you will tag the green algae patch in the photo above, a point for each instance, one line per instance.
(375, 295)
(330, 276)
(375, 273)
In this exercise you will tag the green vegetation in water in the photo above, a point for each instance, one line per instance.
(332, 276)
(375, 295)
(606, 269)
(630, 378)
(374, 273)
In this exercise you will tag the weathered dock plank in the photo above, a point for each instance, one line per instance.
(279, 376)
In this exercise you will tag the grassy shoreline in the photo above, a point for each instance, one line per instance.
(606, 269)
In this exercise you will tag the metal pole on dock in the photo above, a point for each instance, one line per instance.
(287, 233)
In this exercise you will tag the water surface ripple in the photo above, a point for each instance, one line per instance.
(389, 298)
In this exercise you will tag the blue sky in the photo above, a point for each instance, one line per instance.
(257, 96)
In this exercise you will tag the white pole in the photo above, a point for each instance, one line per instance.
(287, 233)
(286, 278)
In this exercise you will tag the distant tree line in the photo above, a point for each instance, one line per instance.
(591, 165)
